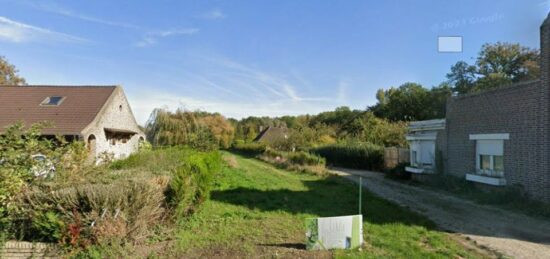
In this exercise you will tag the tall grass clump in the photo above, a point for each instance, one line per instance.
(306, 158)
(300, 161)
(159, 160)
(353, 155)
(91, 213)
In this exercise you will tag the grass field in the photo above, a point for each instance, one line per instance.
(256, 210)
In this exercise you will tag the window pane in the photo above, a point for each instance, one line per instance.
(484, 162)
(498, 163)
(54, 100)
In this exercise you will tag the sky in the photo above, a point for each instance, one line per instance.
(253, 58)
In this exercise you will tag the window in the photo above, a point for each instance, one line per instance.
(52, 101)
(422, 153)
(490, 157)
(413, 158)
(484, 162)
(498, 163)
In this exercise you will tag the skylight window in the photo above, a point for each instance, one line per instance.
(52, 101)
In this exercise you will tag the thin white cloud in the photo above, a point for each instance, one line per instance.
(232, 89)
(279, 86)
(18, 32)
(146, 41)
(185, 31)
(59, 10)
(214, 14)
(289, 90)
(152, 38)
(145, 102)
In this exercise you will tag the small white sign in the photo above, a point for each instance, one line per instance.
(334, 232)
(449, 44)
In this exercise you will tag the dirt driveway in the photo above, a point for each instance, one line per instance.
(509, 233)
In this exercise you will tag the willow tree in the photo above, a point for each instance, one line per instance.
(196, 129)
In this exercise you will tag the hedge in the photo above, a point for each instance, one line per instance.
(360, 155)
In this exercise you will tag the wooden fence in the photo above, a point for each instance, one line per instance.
(394, 156)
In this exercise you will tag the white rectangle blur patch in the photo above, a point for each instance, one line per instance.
(449, 44)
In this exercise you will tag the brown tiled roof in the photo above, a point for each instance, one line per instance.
(78, 109)
(272, 135)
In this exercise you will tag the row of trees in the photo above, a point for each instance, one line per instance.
(211, 130)
(496, 65)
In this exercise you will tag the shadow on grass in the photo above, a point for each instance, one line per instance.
(330, 196)
(299, 246)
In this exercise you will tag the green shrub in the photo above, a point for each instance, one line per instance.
(48, 226)
(251, 149)
(17, 146)
(361, 155)
(191, 182)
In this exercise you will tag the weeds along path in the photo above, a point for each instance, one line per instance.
(509, 233)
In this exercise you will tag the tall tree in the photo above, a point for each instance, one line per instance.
(462, 77)
(497, 65)
(411, 101)
(9, 74)
(511, 61)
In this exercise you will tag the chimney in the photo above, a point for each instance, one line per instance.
(545, 50)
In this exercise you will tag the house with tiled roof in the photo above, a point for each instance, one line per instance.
(98, 115)
(272, 135)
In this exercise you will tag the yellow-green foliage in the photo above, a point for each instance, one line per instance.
(17, 146)
(200, 130)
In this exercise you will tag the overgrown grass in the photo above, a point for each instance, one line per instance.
(256, 209)
(299, 161)
(510, 197)
(121, 208)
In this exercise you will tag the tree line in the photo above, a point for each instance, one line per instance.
(384, 123)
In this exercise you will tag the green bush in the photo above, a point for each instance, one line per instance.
(48, 226)
(17, 146)
(251, 149)
(361, 155)
(191, 182)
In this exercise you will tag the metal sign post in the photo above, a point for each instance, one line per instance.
(360, 192)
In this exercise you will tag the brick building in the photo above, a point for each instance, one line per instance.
(500, 137)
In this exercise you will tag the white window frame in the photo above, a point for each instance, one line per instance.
(489, 176)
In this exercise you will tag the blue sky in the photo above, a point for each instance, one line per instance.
(243, 58)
